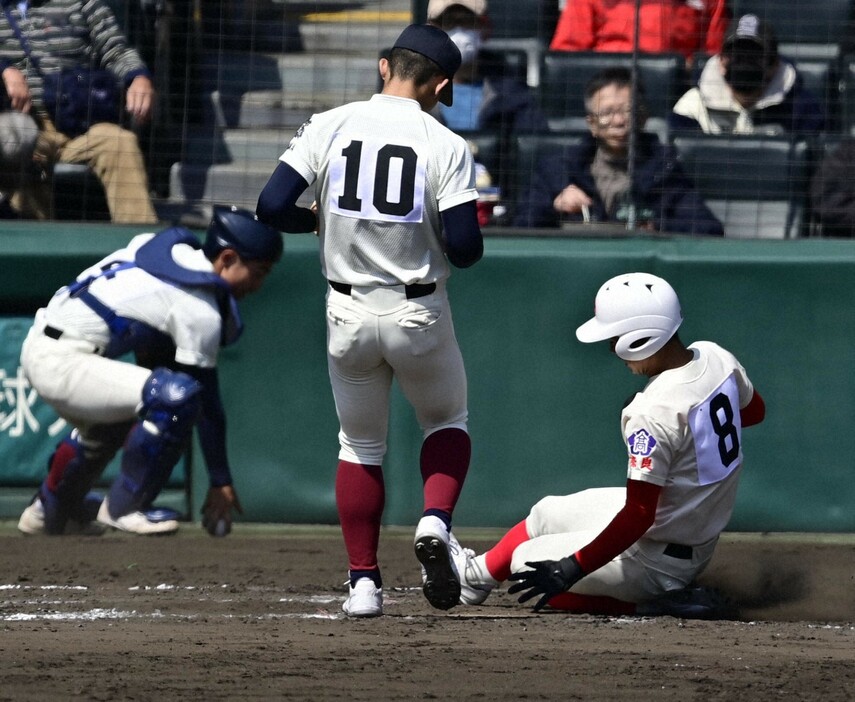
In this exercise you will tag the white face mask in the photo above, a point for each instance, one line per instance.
(468, 41)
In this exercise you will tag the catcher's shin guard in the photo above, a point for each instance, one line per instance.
(72, 470)
(171, 406)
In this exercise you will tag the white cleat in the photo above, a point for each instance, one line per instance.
(365, 599)
(32, 519)
(476, 583)
(136, 522)
(32, 522)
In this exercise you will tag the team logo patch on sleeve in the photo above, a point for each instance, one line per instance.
(641, 443)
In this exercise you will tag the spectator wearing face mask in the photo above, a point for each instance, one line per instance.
(484, 97)
(749, 89)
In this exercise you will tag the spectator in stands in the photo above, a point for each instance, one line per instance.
(487, 97)
(682, 26)
(592, 183)
(832, 191)
(749, 89)
(65, 34)
(484, 98)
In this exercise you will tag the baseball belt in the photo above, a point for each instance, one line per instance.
(678, 551)
(411, 291)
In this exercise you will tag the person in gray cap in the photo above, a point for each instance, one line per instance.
(395, 193)
(749, 88)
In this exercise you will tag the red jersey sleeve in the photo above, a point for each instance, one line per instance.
(628, 526)
(754, 412)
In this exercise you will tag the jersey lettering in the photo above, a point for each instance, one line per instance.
(371, 179)
(716, 429)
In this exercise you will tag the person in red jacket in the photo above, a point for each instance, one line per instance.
(682, 26)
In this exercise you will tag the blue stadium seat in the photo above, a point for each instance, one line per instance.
(512, 19)
(564, 74)
(78, 193)
(756, 186)
(529, 150)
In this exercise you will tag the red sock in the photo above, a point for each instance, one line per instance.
(591, 604)
(360, 496)
(444, 463)
(498, 558)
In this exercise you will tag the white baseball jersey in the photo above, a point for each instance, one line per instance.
(385, 170)
(683, 432)
(189, 316)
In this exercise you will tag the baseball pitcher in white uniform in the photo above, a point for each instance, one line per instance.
(172, 301)
(395, 194)
(638, 549)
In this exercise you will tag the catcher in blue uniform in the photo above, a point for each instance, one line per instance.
(173, 302)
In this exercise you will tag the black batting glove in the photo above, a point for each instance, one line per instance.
(546, 578)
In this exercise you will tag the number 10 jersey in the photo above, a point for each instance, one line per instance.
(384, 170)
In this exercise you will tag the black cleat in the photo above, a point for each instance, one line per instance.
(689, 603)
(441, 584)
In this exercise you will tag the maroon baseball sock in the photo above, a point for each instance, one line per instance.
(360, 496)
(444, 463)
(591, 604)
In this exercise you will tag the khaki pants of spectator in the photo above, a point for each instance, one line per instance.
(112, 153)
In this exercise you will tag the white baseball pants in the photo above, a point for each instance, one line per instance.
(560, 526)
(84, 388)
(376, 334)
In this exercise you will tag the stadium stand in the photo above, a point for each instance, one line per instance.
(812, 29)
(756, 186)
(563, 76)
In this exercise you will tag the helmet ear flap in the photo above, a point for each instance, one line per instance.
(640, 344)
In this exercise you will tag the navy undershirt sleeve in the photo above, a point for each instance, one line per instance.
(211, 425)
(464, 244)
(277, 204)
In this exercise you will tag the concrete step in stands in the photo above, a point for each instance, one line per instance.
(257, 100)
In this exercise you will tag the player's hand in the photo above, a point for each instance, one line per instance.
(571, 200)
(546, 578)
(218, 507)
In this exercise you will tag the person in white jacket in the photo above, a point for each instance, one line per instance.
(749, 88)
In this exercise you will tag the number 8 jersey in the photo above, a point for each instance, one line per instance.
(683, 432)
(384, 170)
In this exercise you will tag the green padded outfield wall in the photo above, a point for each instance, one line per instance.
(544, 409)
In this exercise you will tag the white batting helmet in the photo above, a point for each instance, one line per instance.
(640, 309)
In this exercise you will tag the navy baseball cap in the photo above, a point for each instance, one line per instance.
(750, 31)
(432, 42)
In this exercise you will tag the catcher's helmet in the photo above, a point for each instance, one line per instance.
(640, 309)
(238, 229)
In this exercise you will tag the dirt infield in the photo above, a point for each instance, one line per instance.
(257, 616)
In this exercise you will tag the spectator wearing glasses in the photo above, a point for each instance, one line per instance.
(592, 182)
